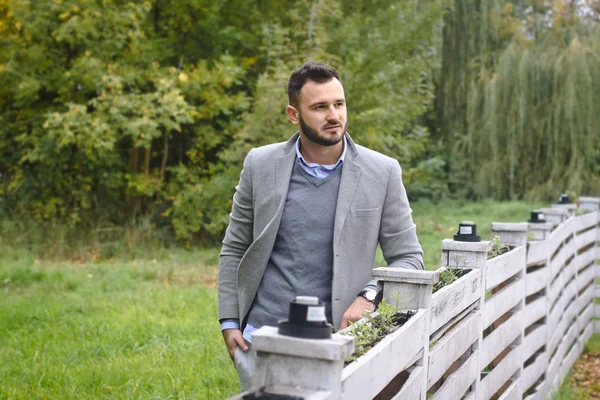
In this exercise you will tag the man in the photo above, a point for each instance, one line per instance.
(306, 220)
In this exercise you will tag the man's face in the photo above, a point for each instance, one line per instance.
(322, 112)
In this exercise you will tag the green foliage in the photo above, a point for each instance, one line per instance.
(517, 103)
(448, 276)
(498, 248)
(117, 112)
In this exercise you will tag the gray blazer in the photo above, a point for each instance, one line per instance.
(372, 208)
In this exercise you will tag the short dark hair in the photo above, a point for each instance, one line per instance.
(311, 71)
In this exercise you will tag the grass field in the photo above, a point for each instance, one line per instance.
(145, 328)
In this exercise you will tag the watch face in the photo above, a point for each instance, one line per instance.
(370, 295)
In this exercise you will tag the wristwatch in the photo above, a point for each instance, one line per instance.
(369, 294)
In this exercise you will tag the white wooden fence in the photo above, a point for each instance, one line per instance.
(511, 328)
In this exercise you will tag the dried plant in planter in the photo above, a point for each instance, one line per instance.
(376, 326)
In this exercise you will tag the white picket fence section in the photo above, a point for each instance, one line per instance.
(511, 328)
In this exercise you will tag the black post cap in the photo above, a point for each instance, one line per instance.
(564, 199)
(306, 319)
(467, 232)
(537, 217)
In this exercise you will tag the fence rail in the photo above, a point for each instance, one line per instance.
(510, 328)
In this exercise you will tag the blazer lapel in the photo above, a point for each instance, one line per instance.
(348, 183)
(283, 172)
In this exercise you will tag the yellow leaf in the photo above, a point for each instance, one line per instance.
(183, 77)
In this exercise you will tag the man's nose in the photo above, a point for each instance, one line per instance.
(333, 114)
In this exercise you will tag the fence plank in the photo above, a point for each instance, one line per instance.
(571, 290)
(500, 339)
(557, 334)
(596, 326)
(564, 323)
(586, 238)
(413, 386)
(537, 280)
(552, 371)
(586, 277)
(560, 234)
(556, 312)
(554, 290)
(450, 347)
(587, 258)
(452, 299)
(459, 381)
(504, 266)
(501, 373)
(564, 346)
(514, 391)
(533, 372)
(537, 252)
(587, 334)
(499, 303)
(597, 310)
(558, 264)
(584, 301)
(535, 311)
(570, 358)
(540, 393)
(362, 380)
(585, 221)
(534, 341)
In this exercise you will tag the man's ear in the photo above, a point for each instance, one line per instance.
(293, 115)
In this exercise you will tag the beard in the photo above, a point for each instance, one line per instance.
(313, 135)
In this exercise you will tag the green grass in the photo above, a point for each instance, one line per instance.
(144, 325)
(112, 330)
(436, 222)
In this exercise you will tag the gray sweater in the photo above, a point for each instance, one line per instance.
(301, 262)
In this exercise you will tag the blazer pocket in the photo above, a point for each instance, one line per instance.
(365, 212)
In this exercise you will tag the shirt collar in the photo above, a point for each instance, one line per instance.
(303, 161)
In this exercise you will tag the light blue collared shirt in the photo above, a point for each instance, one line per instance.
(317, 171)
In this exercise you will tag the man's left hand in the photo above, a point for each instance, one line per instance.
(356, 311)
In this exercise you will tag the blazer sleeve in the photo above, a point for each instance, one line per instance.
(397, 232)
(238, 237)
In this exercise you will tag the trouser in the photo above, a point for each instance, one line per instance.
(245, 364)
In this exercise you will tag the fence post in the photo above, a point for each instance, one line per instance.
(556, 215)
(539, 230)
(515, 234)
(410, 289)
(469, 255)
(307, 368)
(565, 203)
(406, 288)
(511, 234)
(589, 203)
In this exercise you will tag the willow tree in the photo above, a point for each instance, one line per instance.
(520, 110)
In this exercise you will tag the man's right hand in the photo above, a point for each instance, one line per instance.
(234, 339)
